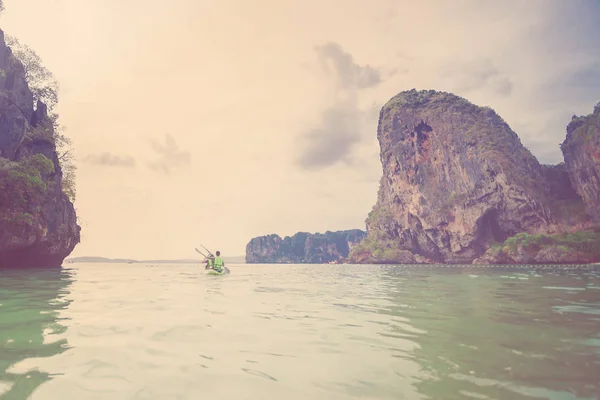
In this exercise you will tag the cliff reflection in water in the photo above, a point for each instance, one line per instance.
(30, 326)
(484, 334)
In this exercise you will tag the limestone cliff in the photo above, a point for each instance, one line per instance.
(456, 181)
(38, 224)
(303, 247)
(581, 150)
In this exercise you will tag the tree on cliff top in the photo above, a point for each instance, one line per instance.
(45, 88)
(40, 80)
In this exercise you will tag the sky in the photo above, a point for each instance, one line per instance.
(215, 121)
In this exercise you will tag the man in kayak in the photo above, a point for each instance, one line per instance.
(218, 263)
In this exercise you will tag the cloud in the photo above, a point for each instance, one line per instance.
(169, 155)
(332, 139)
(110, 160)
(346, 72)
(371, 114)
(476, 75)
(339, 126)
(581, 85)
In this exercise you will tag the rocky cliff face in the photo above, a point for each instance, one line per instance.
(303, 247)
(38, 224)
(581, 150)
(456, 181)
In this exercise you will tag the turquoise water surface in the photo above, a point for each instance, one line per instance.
(132, 331)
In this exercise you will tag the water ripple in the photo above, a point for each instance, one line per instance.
(289, 332)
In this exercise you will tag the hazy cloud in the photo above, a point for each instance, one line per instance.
(477, 75)
(111, 160)
(331, 140)
(340, 65)
(582, 84)
(169, 155)
(503, 86)
(339, 127)
(371, 114)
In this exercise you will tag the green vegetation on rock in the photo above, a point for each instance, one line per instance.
(581, 246)
(22, 188)
(583, 128)
(44, 88)
(375, 251)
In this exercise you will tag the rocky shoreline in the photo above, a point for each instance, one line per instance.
(590, 267)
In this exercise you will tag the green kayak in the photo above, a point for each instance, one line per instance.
(213, 272)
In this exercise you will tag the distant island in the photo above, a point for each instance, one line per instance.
(228, 260)
(459, 187)
(303, 247)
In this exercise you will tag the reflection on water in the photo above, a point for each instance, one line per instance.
(299, 332)
(30, 326)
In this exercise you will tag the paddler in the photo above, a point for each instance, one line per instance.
(218, 263)
(210, 261)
